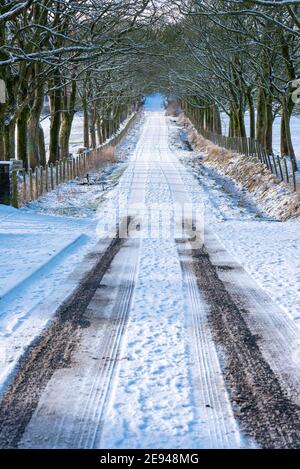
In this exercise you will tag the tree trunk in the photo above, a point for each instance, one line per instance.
(234, 123)
(99, 129)
(231, 124)
(269, 126)
(9, 140)
(92, 120)
(55, 120)
(42, 147)
(36, 108)
(261, 116)
(217, 121)
(22, 136)
(241, 123)
(104, 129)
(2, 148)
(3, 56)
(67, 120)
(86, 137)
(252, 114)
(286, 144)
(64, 136)
(288, 103)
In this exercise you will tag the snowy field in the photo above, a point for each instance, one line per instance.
(38, 253)
(76, 137)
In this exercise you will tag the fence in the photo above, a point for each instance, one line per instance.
(281, 166)
(28, 186)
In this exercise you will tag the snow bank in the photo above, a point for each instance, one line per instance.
(275, 197)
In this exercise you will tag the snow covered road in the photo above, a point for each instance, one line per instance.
(149, 367)
(152, 400)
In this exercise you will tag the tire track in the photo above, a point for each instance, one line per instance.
(262, 405)
(210, 394)
(71, 410)
(216, 421)
(97, 401)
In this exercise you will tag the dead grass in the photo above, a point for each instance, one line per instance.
(172, 109)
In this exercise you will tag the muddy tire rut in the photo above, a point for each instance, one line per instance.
(261, 405)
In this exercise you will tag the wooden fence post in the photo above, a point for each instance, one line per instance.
(24, 184)
(280, 168)
(46, 177)
(41, 180)
(36, 182)
(286, 169)
(51, 176)
(294, 178)
(14, 189)
(80, 163)
(64, 169)
(31, 184)
(56, 173)
(269, 161)
(60, 171)
(274, 163)
(256, 150)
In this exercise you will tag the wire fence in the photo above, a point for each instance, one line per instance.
(283, 167)
(27, 186)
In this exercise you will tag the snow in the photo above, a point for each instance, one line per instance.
(159, 361)
(37, 253)
(270, 252)
(149, 399)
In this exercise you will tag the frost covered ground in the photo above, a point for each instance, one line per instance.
(38, 253)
